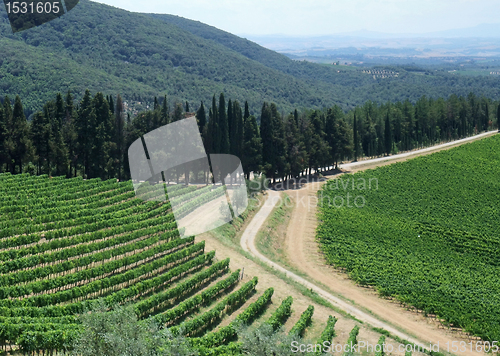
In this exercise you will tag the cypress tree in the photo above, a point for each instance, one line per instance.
(111, 105)
(59, 149)
(252, 147)
(355, 138)
(187, 106)
(119, 136)
(7, 108)
(60, 112)
(20, 136)
(296, 117)
(215, 128)
(486, 115)
(238, 118)
(40, 137)
(201, 119)
(165, 119)
(319, 148)
(498, 117)
(380, 138)
(280, 158)
(156, 105)
(86, 130)
(331, 127)
(233, 129)
(69, 134)
(3, 134)
(295, 148)
(209, 142)
(223, 126)
(247, 111)
(104, 148)
(388, 135)
(8, 139)
(266, 133)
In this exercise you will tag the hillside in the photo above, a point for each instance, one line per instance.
(106, 49)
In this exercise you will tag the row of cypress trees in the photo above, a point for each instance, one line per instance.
(91, 138)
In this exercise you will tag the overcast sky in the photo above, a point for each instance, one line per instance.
(323, 17)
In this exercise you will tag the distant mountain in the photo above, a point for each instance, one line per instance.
(490, 30)
(140, 56)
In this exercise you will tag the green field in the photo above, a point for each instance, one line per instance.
(428, 234)
(67, 244)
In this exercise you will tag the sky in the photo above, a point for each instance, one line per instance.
(324, 17)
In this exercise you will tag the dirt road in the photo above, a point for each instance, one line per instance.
(363, 303)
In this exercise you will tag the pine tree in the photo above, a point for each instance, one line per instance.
(223, 126)
(388, 135)
(178, 113)
(156, 105)
(187, 106)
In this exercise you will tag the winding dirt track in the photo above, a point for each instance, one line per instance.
(303, 253)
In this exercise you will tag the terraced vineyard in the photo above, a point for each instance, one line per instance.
(426, 233)
(65, 243)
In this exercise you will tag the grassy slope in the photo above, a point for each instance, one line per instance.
(429, 235)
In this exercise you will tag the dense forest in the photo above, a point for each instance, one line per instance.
(91, 138)
(140, 56)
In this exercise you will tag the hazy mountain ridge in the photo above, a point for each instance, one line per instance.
(115, 51)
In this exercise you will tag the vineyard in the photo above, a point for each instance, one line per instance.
(426, 232)
(68, 244)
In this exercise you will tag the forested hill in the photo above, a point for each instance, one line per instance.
(106, 49)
